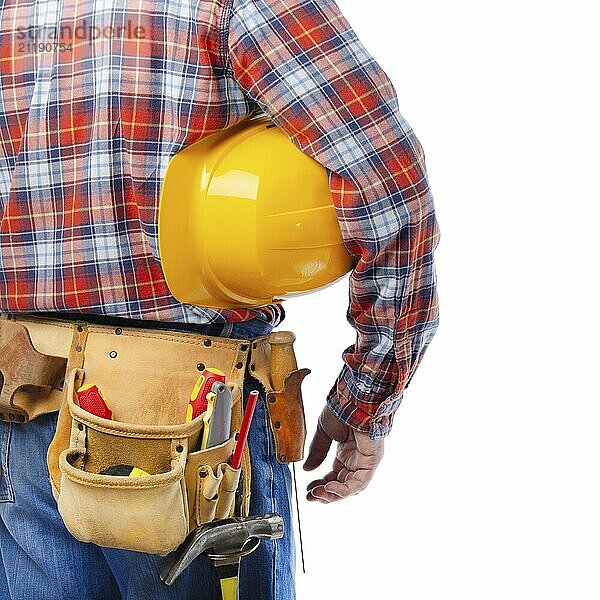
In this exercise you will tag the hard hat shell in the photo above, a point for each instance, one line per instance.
(246, 219)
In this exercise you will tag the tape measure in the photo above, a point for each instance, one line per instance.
(124, 471)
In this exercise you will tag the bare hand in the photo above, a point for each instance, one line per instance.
(355, 462)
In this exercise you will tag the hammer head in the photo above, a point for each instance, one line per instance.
(224, 541)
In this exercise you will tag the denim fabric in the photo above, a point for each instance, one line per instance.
(41, 560)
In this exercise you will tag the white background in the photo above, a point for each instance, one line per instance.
(490, 484)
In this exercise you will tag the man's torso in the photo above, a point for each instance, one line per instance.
(96, 97)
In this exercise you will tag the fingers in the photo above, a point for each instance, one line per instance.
(331, 476)
(319, 447)
(329, 428)
(332, 426)
(316, 488)
(320, 495)
(340, 490)
(342, 482)
(355, 463)
(333, 488)
(327, 488)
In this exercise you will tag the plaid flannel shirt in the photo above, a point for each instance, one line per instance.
(97, 96)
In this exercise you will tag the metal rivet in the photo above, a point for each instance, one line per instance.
(239, 365)
(77, 348)
(201, 366)
(80, 426)
(118, 331)
(79, 328)
(272, 399)
(11, 416)
(207, 342)
(179, 448)
(277, 425)
(282, 458)
(244, 348)
(203, 473)
(112, 354)
(22, 418)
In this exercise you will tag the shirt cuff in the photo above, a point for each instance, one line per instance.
(362, 411)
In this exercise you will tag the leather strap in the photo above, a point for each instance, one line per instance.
(26, 373)
(273, 363)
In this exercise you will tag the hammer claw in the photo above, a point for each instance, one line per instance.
(223, 541)
(183, 556)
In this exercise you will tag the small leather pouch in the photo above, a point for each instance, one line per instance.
(212, 483)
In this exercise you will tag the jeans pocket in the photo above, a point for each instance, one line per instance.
(6, 490)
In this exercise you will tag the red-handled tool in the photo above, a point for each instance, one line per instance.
(200, 394)
(90, 398)
(236, 460)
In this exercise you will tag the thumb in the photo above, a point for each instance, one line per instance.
(319, 447)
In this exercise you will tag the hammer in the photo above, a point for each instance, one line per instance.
(224, 542)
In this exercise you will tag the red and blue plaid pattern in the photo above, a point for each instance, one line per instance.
(303, 64)
(91, 115)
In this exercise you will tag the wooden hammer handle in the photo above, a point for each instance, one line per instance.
(283, 360)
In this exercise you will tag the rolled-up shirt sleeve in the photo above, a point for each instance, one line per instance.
(303, 64)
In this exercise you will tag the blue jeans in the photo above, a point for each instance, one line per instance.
(41, 560)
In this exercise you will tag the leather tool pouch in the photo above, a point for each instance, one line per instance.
(29, 379)
(146, 377)
(275, 366)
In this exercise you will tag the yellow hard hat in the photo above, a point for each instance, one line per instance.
(246, 219)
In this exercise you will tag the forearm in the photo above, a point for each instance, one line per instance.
(394, 309)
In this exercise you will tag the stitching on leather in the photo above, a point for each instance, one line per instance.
(79, 435)
(185, 338)
(174, 478)
(197, 340)
(61, 324)
(186, 429)
(133, 434)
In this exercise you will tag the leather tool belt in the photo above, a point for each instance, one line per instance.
(147, 376)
